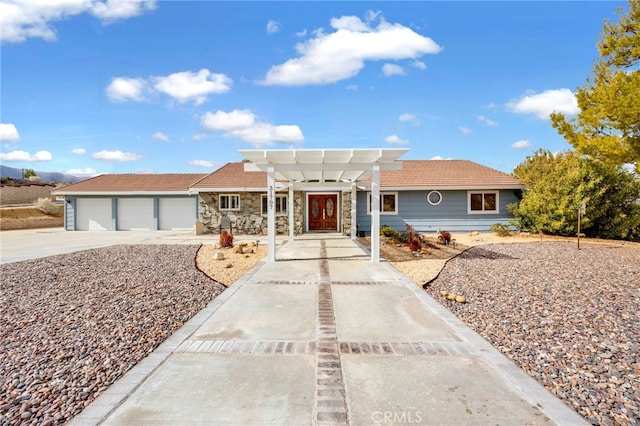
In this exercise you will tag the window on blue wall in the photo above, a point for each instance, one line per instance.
(434, 198)
(482, 202)
(388, 203)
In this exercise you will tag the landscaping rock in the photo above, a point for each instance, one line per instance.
(569, 318)
(71, 325)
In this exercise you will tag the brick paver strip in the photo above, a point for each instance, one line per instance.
(330, 404)
(386, 283)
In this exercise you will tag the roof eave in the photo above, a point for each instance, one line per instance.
(184, 192)
(228, 189)
(445, 187)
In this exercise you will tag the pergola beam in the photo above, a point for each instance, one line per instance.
(375, 214)
(271, 215)
(321, 167)
(326, 170)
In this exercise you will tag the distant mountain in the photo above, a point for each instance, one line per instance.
(15, 173)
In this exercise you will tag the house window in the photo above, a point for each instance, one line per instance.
(483, 202)
(229, 202)
(388, 203)
(279, 202)
(434, 198)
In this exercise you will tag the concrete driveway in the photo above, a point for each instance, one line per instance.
(26, 244)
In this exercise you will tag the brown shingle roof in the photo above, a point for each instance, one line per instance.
(446, 173)
(134, 183)
(434, 174)
(232, 175)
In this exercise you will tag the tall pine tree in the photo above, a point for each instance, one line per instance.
(608, 125)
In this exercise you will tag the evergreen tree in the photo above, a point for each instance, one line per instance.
(608, 125)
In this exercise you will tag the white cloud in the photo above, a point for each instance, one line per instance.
(234, 120)
(113, 10)
(352, 87)
(394, 139)
(522, 144)
(160, 136)
(79, 151)
(406, 117)
(487, 121)
(122, 89)
(273, 26)
(392, 69)
(419, 64)
(183, 86)
(199, 136)
(82, 172)
(188, 86)
(21, 20)
(261, 134)
(301, 33)
(328, 58)
(116, 156)
(372, 15)
(203, 163)
(9, 132)
(543, 104)
(465, 130)
(244, 125)
(25, 156)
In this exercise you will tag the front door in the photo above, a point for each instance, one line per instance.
(323, 212)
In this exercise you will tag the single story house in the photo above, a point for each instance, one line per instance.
(430, 195)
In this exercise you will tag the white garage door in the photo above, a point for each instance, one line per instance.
(176, 213)
(93, 214)
(135, 214)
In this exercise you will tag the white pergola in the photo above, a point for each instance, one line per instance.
(323, 169)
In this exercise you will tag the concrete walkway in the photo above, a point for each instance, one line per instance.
(324, 336)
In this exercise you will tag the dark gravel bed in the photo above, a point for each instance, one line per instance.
(570, 318)
(71, 325)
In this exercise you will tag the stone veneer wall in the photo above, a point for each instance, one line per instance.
(346, 213)
(247, 220)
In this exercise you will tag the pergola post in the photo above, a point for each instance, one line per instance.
(354, 223)
(271, 214)
(290, 208)
(375, 214)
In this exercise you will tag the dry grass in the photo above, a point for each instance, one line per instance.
(29, 217)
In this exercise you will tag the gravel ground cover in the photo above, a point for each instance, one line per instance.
(71, 325)
(570, 318)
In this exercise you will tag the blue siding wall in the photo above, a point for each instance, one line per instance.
(450, 215)
(69, 213)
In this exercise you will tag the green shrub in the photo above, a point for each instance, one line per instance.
(388, 232)
(46, 206)
(501, 229)
(403, 237)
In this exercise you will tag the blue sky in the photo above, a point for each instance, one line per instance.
(124, 86)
